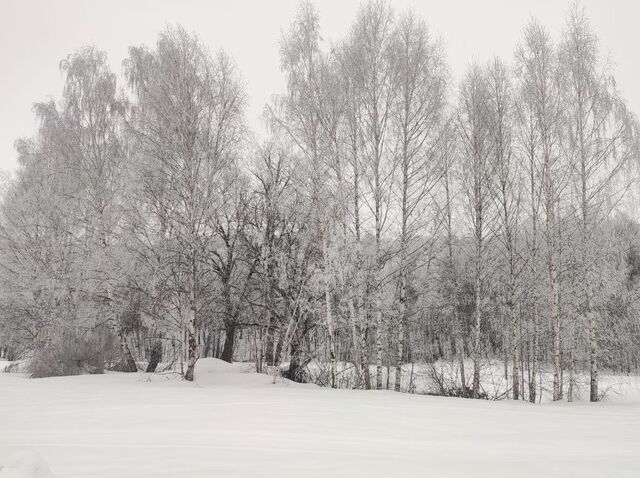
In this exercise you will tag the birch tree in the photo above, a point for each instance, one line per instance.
(90, 123)
(371, 41)
(309, 121)
(537, 65)
(417, 124)
(352, 145)
(476, 166)
(527, 142)
(188, 123)
(506, 196)
(598, 134)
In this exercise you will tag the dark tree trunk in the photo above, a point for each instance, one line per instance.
(155, 356)
(365, 357)
(229, 341)
(296, 364)
(191, 358)
(128, 363)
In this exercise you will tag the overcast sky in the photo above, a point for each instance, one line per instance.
(36, 35)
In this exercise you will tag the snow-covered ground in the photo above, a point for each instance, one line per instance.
(233, 423)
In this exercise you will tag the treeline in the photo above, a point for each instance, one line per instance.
(390, 216)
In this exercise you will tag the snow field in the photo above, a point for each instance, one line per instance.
(234, 423)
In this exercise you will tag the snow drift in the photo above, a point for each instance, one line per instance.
(24, 464)
(215, 372)
(235, 423)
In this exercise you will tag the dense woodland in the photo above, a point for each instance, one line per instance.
(388, 214)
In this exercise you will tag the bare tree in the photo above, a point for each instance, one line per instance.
(371, 43)
(598, 133)
(506, 195)
(188, 124)
(417, 125)
(476, 166)
(537, 64)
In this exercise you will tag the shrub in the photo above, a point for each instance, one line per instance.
(446, 384)
(72, 355)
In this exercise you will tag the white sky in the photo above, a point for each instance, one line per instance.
(36, 35)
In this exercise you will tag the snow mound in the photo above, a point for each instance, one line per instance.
(216, 372)
(214, 365)
(25, 464)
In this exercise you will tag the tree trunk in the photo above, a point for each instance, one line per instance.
(155, 356)
(402, 319)
(272, 350)
(557, 363)
(229, 341)
(355, 340)
(514, 353)
(460, 347)
(128, 363)
(476, 341)
(554, 299)
(192, 346)
(296, 372)
(400, 354)
(593, 352)
(379, 350)
(365, 357)
(329, 314)
(572, 378)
